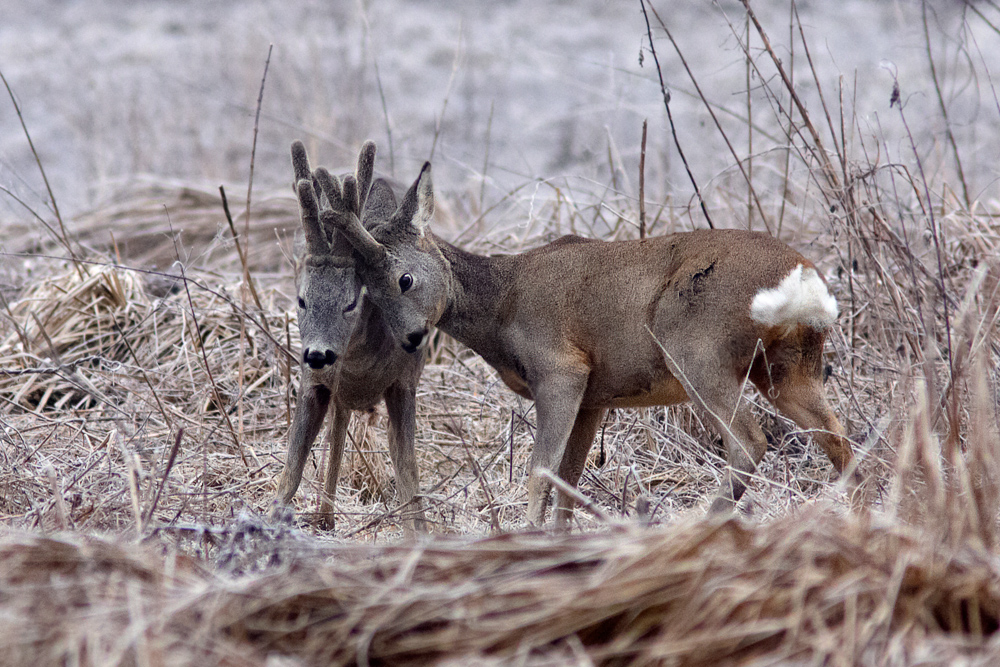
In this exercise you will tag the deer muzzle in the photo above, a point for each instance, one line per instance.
(317, 359)
(415, 340)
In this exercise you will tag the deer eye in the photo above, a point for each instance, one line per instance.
(352, 306)
(302, 303)
(405, 282)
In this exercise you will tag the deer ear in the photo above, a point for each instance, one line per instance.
(380, 204)
(425, 196)
(418, 204)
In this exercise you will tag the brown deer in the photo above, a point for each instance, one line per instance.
(350, 359)
(582, 326)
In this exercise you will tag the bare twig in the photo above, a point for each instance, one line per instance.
(486, 158)
(447, 93)
(253, 150)
(41, 169)
(935, 232)
(670, 118)
(582, 500)
(944, 107)
(145, 377)
(166, 474)
(208, 368)
(833, 181)
(642, 183)
(385, 115)
(718, 125)
(239, 251)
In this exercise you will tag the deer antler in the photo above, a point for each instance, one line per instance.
(300, 163)
(316, 242)
(364, 172)
(342, 214)
(371, 251)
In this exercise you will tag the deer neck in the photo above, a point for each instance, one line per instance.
(479, 287)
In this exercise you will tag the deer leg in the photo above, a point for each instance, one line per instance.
(717, 393)
(557, 402)
(309, 413)
(745, 447)
(719, 396)
(336, 436)
(575, 457)
(400, 403)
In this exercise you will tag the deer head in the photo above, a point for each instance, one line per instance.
(328, 288)
(405, 273)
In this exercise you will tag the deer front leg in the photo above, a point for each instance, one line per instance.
(336, 436)
(574, 459)
(401, 406)
(557, 402)
(309, 413)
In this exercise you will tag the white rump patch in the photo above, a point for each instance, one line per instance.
(801, 298)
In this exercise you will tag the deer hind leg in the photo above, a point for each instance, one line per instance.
(575, 457)
(336, 435)
(400, 403)
(557, 403)
(309, 413)
(717, 391)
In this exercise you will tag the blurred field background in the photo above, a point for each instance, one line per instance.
(148, 359)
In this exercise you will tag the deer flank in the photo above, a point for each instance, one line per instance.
(582, 326)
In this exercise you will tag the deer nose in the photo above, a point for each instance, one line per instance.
(317, 359)
(414, 340)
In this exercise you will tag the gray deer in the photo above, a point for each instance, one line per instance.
(582, 326)
(350, 359)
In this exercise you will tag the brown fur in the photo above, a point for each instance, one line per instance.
(583, 326)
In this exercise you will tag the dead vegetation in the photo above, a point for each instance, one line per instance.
(144, 416)
(809, 588)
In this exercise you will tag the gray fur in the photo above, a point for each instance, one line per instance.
(338, 320)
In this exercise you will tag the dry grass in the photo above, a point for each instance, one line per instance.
(144, 417)
(810, 588)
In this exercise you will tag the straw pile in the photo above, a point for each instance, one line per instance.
(810, 589)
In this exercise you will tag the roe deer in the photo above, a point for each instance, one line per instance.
(582, 326)
(350, 360)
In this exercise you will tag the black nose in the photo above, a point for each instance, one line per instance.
(414, 340)
(317, 359)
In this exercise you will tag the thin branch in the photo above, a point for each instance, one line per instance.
(166, 473)
(642, 183)
(447, 93)
(944, 108)
(715, 119)
(38, 161)
(670, 117)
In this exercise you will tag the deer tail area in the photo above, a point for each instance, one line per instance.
(800, 298)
